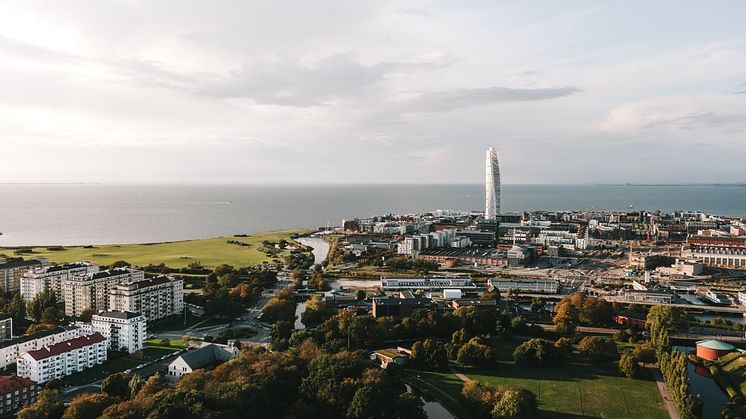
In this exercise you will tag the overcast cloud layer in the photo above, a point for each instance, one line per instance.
(372, 92)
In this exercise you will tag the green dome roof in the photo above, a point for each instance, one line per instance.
(716, 344)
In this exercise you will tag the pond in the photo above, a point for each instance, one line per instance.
(433, 409)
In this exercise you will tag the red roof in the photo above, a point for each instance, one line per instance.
(67, 346)
(11, 383)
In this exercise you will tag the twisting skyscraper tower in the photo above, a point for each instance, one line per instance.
(492, 185)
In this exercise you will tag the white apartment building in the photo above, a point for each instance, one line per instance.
(124, 330)
(63, 359)
(51, 277)
(92, 291)
(11, 349)
(154, 298)
(544, 286)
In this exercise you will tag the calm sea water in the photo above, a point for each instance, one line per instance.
(100, 214)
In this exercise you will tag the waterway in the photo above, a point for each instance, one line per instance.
(433, 409)
(319, 245)
(713, 398)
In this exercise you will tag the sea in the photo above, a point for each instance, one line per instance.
(69, 214)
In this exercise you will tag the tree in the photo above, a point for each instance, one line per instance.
(490, 294)
(50, 315)
(628, 366)
(280, 334)
(88, 406)
(47, 405)
(42, 301)
(598, 349)
(663, 320)
(16, 308)
(86, 315)
(119, 264)
(537, 304)
(117, 385)
(360, 295)
(279, 309)
(516, 403)
(38, 327)
(315, 312)
(645, 353)
(429, 354)
(566, 318)
(476, 354)
(538, 353)
(135, 384)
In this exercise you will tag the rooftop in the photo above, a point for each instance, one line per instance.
(17, 263)
(66, 346)
(123, 315)
(715, 344)
(37, 335)
(402, 301)
(11, 383)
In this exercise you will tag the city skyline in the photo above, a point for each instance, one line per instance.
(576, 93)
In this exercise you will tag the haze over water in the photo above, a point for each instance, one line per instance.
(52, 214)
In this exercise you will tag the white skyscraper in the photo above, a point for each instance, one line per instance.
(492, 185)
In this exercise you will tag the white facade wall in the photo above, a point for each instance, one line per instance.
(155, 301)
(63, 364)
(52, 277)
(11, 350)
(546, 286)
(126, 334)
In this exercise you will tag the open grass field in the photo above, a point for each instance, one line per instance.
(566, 392)
(209, 252)
(733, 366)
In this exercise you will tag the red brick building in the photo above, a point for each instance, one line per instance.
(15, 392)
(712, 350)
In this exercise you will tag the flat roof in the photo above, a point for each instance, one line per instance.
(116, 314)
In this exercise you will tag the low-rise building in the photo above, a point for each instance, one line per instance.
(208, 356)
(400, 307)
(540, 286)
(427, 284)
(11, 349)
(486, 305)
(125, 331)
(15, 392)
(631, 319)
(62, 359)
(649, 296)
(154, 298)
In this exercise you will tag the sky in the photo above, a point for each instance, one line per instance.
(179, 91)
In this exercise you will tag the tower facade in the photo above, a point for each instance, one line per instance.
(492, 185)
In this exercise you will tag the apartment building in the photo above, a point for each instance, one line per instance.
(92, 290)
(15, 392)
(124, 330)
(726, 251)
(62, 359)
(6, 328)
(11, 272)
(154, 298)
(52, 277)
(11, 349)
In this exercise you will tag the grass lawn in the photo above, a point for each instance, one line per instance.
(734, 367)
(173, 344)
(570, 391)
(209, 252)
(174, 323)
(114, 365)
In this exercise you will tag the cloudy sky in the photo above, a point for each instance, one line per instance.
(372, 91)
